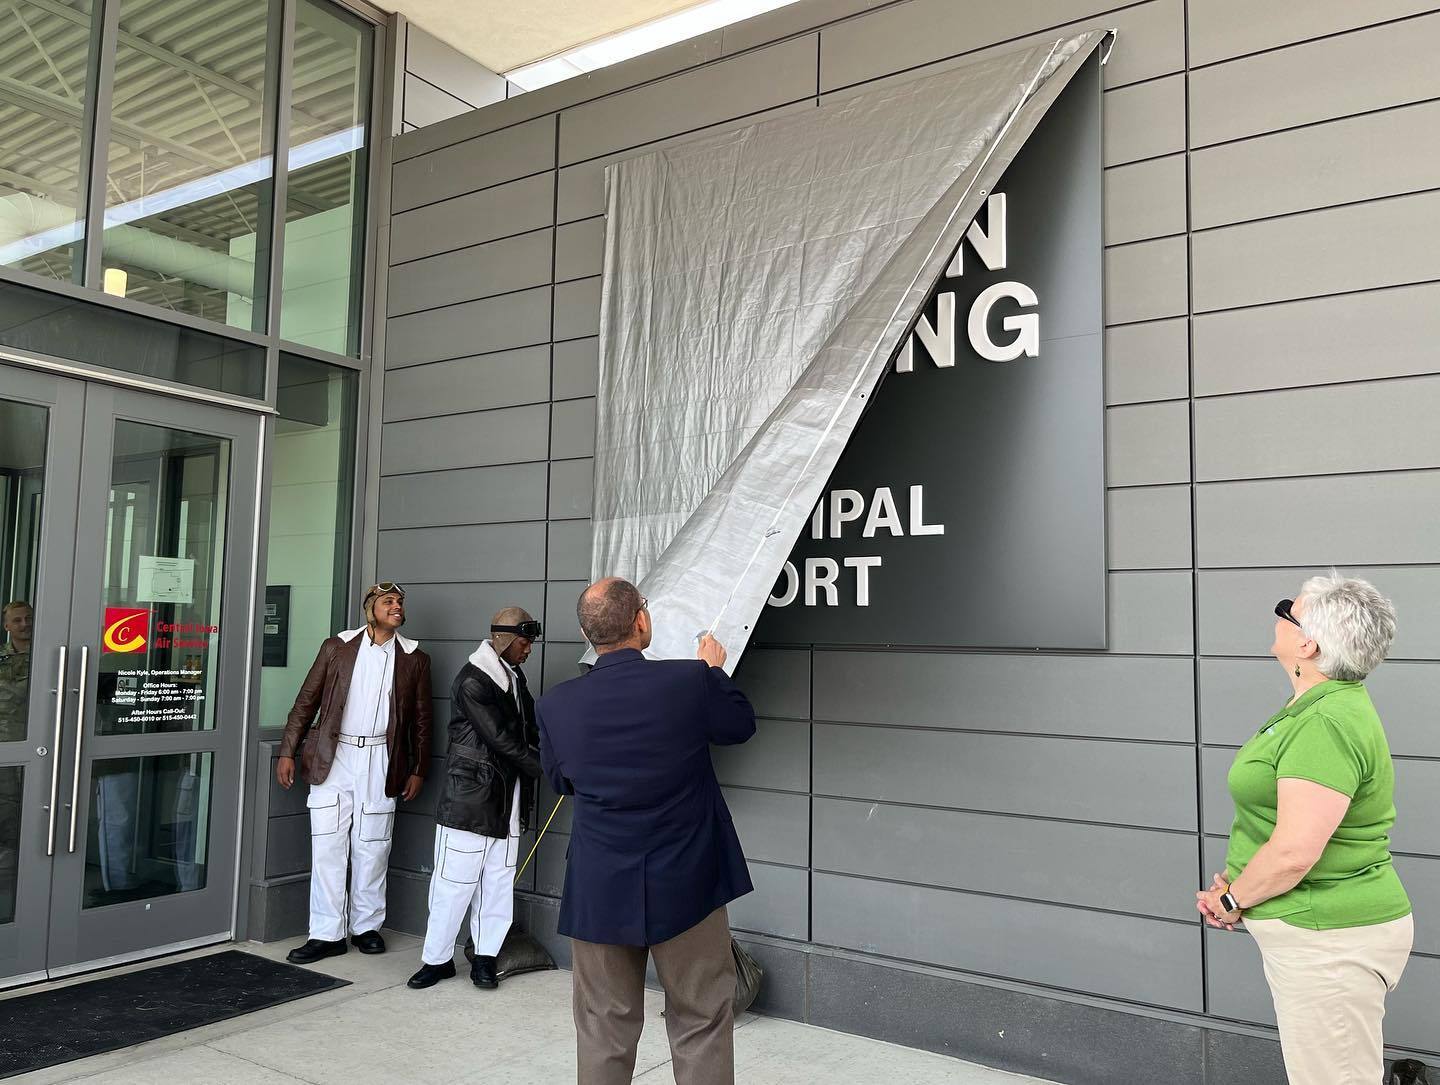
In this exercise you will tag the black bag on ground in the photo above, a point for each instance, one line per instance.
(1408, 1072)
(521, 953)
(748, 975)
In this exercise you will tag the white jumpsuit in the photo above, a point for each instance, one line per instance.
(351, 819)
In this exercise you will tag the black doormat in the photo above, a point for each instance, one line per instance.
(50, 1027)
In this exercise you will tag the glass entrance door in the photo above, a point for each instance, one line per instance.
(136, 851)
(40, 423)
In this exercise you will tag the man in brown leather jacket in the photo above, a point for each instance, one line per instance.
(361, 728)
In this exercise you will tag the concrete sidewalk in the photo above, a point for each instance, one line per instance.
(378, 1030)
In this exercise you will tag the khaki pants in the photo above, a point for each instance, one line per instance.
(1329, 989)
(697, 971)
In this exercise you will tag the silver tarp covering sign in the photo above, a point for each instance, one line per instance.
(756, 283)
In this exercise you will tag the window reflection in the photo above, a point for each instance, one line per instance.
(325, 195)
(164, 558)
(12, 790)
(45, 58)
(190, 163)
(22, 486)
(149, 827)
(308, 564)
(190, 160)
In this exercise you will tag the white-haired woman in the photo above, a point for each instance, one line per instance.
(1308, 865)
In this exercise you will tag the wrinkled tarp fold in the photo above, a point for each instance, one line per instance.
(756, 284)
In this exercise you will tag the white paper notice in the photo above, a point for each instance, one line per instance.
(165, 580)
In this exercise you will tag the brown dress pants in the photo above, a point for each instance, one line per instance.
(696, 969)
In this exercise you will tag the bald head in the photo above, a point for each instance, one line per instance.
(612, 615)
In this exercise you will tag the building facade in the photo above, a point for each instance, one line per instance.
(264, 387)
(993, 853)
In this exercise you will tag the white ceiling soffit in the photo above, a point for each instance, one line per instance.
(671, 29)
(505, 34)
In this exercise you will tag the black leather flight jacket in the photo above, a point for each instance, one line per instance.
(491, 746)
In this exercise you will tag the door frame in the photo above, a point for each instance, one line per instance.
(80, 935)
(168, 405)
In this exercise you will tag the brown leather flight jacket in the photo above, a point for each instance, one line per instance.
(313, 726)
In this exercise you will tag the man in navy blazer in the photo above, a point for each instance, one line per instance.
(654, 858)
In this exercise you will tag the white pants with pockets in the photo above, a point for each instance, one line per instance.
(475, 872)
(351, 820)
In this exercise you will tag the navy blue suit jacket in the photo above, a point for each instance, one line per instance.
(653, 850)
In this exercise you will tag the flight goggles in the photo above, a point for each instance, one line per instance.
(385, 587)
(530, 630)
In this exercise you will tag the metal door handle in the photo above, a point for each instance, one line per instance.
(79, 739)
(59, 691)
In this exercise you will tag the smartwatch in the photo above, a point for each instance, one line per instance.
(1228, 902)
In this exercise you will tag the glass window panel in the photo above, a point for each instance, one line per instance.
(81, 331)
(22, 484)
(149, 827)
(12, 792)
(45, 52)
(164, 564)
(325, 193)
(190, 163)
(311, 511)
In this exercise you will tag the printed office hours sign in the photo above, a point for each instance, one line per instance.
(160, 684)
(968, 509)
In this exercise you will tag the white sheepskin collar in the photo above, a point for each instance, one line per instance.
(406, 644)
(488, 660)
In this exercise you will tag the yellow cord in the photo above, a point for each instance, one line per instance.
(536, 846)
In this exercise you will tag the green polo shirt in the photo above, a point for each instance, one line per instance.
(1332, 736)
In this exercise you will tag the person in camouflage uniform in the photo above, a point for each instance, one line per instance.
(19, 622)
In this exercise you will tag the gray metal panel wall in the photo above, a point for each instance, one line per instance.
(1272, 306)
(442, 82)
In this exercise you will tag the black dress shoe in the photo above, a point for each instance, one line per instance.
(369, 942)
(315, 950)
(482, 973)
(431, 974)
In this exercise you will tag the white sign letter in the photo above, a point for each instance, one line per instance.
(845, 505)
(883, 514)
(939, 341)
(792, 587)
(862, 567)
(1027, 325)
(814, 581)
(918, 526)
(989, 245)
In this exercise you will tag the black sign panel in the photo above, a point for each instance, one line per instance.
(275, 650)
(968, 509)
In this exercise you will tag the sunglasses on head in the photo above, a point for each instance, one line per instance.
(1283, 609)
(529, 630)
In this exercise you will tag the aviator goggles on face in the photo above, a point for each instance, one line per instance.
(1283, 610)
(528, 630)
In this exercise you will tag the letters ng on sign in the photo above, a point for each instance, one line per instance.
(968, 509)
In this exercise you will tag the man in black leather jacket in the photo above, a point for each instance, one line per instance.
(490, 774)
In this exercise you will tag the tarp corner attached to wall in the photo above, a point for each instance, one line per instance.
(756, 284)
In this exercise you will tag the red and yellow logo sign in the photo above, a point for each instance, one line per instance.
(125, 630)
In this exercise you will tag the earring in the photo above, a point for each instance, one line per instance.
(1297, 670)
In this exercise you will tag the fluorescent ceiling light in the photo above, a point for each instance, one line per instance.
(646, 38)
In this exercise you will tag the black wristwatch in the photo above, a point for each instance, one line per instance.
(1228, 902)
